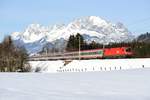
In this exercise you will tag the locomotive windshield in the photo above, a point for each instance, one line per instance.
(128, 49)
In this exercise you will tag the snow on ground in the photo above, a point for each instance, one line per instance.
(113, 85)
(47, 66)
(91, 65)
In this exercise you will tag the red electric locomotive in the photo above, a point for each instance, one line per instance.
(117, 52)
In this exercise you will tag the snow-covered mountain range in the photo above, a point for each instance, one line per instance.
(93, 28)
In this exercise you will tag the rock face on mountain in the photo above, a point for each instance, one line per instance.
(93, 28)
(144, 38)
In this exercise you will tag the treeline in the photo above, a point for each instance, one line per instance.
(140, 47)
(73, 43)
(12, 58)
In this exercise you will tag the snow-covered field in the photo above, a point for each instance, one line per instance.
(133, 84)
(91, 65)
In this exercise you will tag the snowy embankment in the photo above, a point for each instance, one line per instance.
(90, 65)
(115, 85)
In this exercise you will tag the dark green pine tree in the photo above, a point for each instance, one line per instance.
(71, 43)
(79, 38)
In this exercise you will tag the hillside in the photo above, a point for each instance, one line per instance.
(144, 38)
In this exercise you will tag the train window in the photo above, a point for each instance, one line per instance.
(128, 50)
(88, 53)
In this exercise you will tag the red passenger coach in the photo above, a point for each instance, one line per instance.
(117, 52)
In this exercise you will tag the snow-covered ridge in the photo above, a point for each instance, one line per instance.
(93, 28)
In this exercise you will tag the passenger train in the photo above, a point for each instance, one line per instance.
(117, 52)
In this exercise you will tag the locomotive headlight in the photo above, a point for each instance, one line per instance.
(117, 51)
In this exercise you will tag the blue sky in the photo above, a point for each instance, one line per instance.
(16, 15)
